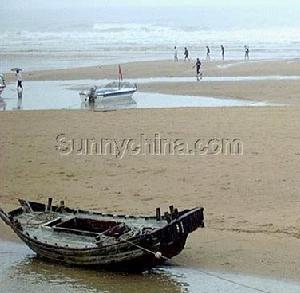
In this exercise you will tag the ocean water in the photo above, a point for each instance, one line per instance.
(58, 36)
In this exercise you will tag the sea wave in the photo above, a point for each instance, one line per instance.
(151, 34)
(129, 27)
(113, 41)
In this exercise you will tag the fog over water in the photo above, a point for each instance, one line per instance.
(56, 34)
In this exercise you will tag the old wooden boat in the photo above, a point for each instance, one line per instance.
(105, 241)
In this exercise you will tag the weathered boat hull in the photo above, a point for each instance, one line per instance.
(134, 260)
(136, 254)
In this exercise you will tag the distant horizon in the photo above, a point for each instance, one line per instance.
(213, 15)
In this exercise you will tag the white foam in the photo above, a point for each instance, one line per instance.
(118, 42)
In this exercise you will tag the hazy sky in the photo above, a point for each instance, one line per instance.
(169, 3)
(204, 13)
(239, 3)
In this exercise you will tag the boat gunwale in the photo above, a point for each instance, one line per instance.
(27, 239)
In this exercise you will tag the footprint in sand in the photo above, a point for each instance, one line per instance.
(297, 224)
(70, 175)
(147, 199)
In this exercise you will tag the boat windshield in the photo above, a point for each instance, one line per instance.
(116, 84)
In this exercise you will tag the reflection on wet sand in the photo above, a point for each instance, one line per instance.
(20, 101)
(109, 105)
(2, 104)
(19, 106)
(21, 270)
(22, 267)
(37, 272)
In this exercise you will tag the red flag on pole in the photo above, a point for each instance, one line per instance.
(120, 73)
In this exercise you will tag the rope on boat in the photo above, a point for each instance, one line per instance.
(157, 254)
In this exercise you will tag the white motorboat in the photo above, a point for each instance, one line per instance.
(2, 83)
(112, 92)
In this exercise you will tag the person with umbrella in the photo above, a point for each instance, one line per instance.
(19, 81)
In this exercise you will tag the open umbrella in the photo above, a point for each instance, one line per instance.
(15, 69)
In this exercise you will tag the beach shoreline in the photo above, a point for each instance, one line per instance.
(284, 92)
(167, 68)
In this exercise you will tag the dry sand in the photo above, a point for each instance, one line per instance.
(251, 201)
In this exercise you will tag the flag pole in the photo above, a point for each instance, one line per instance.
(120, 76)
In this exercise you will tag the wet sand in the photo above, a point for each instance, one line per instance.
(21, 270)
(145, 69)
(251, 201)
(19, 266)
(283, 92)
(271, 91)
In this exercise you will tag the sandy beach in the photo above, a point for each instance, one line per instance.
(229, 142)
(142, 69)
(251, 200)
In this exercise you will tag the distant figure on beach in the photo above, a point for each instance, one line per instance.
(19, 83)
(198, 67)
(175, 54)
(246, 53)
(186, 54)
(223, 52)
(19, 79)
(207, 53)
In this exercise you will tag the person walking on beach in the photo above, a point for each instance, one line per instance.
(246, 53)
(19, 83)
(175, 54)
(19, 79)
(207, 53)
(223, 52)
(186, 54)
(198, 67)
